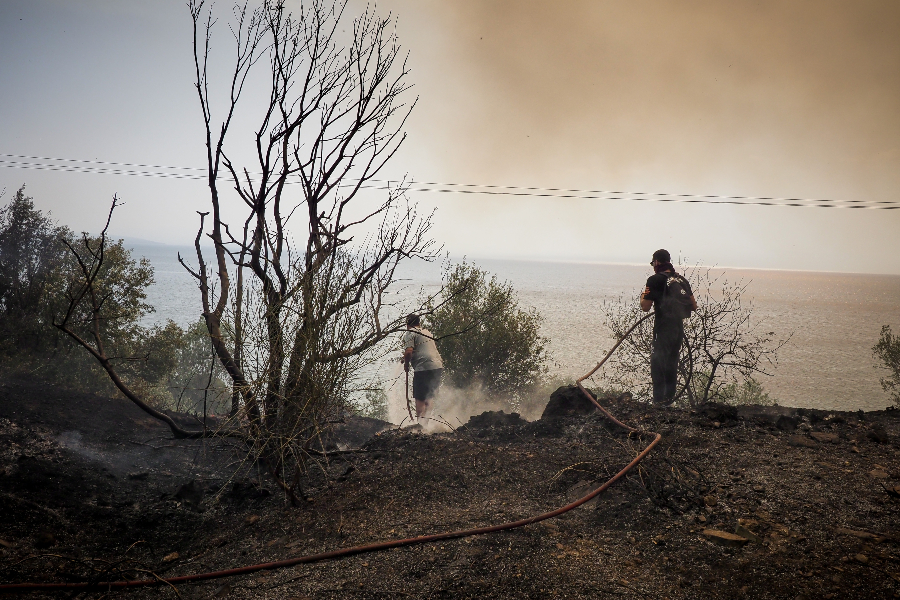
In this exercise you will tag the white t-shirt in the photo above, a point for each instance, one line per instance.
(425, 354)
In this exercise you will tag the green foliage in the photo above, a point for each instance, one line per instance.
(736, 393)
(194, 375)
(32, 262)
(375, 405)
(887, 350)
(121, 283)
(485, 338)
(38, 273)
(141, 353)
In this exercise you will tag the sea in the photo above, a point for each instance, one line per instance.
(832, 319)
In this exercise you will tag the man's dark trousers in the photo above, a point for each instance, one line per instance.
(664, 363)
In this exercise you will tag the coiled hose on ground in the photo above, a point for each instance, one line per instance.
(423, 539)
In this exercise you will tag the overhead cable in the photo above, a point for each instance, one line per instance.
(99, 167)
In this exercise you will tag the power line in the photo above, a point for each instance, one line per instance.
(77, 168)
(686, 198)
(503, 189)
(98, 167)
(99, 162)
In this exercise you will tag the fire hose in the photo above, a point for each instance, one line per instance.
(334, 554)
(408, 405)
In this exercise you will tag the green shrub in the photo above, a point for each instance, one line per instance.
(374, 406)
(37, 271)
(887, 350)
(485, 338)
(182, 374)
(735, 393)
(32, 262)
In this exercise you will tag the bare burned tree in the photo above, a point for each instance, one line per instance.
(724, 345)
(304, 316)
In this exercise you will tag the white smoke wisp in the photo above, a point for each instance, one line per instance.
(72, 440)
(451, 408)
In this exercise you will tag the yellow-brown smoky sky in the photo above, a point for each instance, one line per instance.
(797, 99)
(792, 98)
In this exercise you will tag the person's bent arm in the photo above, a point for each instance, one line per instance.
(645, 303)
(407, 357)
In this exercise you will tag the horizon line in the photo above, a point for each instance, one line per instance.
(142, 241)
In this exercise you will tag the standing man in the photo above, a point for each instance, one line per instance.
(421, 351)
(671, 296)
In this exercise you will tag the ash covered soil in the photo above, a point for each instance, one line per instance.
(91, 488)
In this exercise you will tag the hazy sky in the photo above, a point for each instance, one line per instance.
(771, 98)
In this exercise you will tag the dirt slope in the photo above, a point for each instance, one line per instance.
(91, 487)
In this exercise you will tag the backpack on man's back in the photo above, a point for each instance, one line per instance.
(676, 301)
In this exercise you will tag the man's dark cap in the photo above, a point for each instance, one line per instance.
(413, 320)
(662, 256)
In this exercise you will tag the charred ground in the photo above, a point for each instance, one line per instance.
(92, 488)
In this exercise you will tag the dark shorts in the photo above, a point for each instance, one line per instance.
(426, 383)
